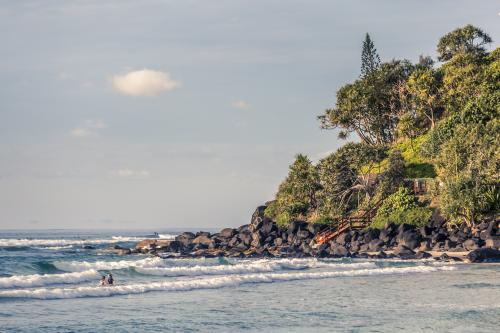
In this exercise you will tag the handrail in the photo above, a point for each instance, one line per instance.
(347, 222)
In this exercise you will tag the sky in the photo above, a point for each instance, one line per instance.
(180, 113)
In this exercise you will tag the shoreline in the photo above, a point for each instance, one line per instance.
(262, 238)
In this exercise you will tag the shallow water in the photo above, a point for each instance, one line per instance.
(49, 283)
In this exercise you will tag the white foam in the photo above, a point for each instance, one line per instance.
(38, 280)
(206, 283)
(10, 242)
(80, 266)
(54, 247)
(166, 236)
(257, 266)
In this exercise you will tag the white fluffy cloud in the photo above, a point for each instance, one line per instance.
(240, 105)
(144, 82)
(129, 173)
(88, 128)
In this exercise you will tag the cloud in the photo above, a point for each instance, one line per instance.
(145, 82)
(240, 105)
(88, 128)
(129, 173)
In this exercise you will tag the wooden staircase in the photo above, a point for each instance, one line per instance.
(347, 223)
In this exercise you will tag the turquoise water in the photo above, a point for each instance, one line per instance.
(49, 283)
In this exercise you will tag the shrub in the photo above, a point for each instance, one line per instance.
(417, 216)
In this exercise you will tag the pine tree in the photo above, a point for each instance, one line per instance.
(369, 57)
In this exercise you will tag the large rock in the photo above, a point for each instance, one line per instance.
(375, 245)
(410, 239)
(404, 252)
(343, 238)
(202, 239)
(493, 242)
(227, 233)
(471, 244)
(484, 255)
(303, 234)
(339, 251)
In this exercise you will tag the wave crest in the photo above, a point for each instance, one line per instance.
(206, 283)
(38, 280)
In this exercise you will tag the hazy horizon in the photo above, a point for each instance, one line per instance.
(182, 114)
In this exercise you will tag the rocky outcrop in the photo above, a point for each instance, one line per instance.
(262, 238)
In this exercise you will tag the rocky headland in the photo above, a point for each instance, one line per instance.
(262, 238)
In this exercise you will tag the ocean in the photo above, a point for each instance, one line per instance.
(49, 282)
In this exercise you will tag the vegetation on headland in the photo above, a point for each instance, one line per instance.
(413, 120)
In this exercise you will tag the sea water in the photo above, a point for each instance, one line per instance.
(49, 282)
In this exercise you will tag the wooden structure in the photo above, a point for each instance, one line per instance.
(347, 223)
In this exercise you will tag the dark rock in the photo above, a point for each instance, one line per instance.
(202, 239)
(313, 228)
(245, 237)
(404, 227)
(410, 239)
(340, 251)
(375, 245)
(257, 218)
(227, 233)
(484, 255)
(364, 248)
(449, 244)
(371, 234)
(294, 226)
(404, 252)
(267, 227)
(202, 233)
(343, 238)
(471, 244)
(422, 255)
(425, 245)
(303, 234)
(88, 247)
(381, 255)
(493, 242)
(425, 231)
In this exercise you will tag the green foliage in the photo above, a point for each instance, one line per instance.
(401, 207)
(369, 106)
(392, 178)
(339, 175)
(370, 60)
(399, 201)
(418, 216)
(468, 166)
(466, 40)
(297, 193)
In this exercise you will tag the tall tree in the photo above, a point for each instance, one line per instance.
(369, 57)
(370, 106)
(466, 40)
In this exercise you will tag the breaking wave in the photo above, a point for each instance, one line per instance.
(166, 236)
(26, 242)
(38, 280)
(206, 283)
(80, 266)
(258, 266)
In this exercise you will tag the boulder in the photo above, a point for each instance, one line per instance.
(422, 255)
(493, 242)
(425, 231)
(303, 234)
(227, 233)
(410, 239)
(471, 244)
(375, 245)
(267, 227)
(245, 237)
(313, 228)
(484, 255)
(343, 238)
(425, 245)
(404, 252)
(202, 239)
(339, 251)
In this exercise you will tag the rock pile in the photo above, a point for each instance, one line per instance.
(262, 238)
